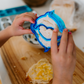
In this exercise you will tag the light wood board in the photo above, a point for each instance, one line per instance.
(0, 82)
(17, 47)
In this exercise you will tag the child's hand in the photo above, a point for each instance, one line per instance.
(64, 58)
(16, 28)
(17, 25)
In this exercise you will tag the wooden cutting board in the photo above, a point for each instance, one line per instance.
(0, 82)
(16, 48)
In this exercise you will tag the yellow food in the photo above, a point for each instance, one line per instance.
(41, 72)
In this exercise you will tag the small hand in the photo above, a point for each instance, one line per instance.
(64, 58)
(17, 25)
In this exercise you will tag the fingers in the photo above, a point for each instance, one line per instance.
(25, 18)
(63, 43)
(28, 15)
(54, 48)
(34, 16)
(26, 31)
(74, 50)
(70, 44)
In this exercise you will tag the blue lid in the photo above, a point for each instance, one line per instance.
(36, 27)
(15, 11)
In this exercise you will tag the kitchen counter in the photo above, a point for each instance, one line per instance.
(3, 73)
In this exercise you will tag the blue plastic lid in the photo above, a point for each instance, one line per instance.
(15, 11)
(36, 28)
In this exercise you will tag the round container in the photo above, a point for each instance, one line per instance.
(35, 3)
(31, 39)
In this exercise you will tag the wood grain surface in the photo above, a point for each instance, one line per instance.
(35, 3)
(16, 48)
(0, 82)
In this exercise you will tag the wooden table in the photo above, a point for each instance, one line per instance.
(0, 82)
(16, 48)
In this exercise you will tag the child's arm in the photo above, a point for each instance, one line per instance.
(16, 28)
(64, 58)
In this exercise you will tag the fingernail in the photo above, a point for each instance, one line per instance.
(55, 30)
(36, 14)
(66, 29)
(33, 21)
(69, 32)
(32, 32)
